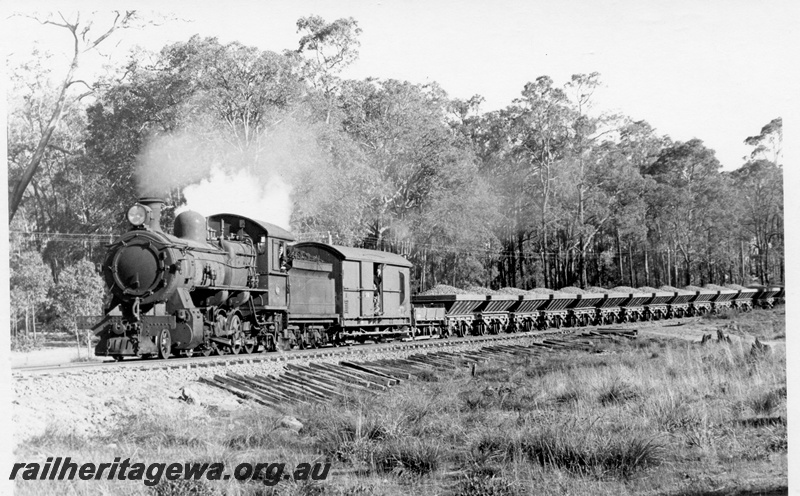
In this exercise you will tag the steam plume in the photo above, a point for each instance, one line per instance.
(218, 171)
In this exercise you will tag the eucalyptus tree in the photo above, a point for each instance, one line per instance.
(85, 35)
(759, 190)
(688, 197)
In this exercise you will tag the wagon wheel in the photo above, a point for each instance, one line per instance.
(164, 344)
(622, 318)
(481, 329)
(571, 321)
(557, 322)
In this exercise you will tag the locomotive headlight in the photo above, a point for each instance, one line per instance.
(138, 214)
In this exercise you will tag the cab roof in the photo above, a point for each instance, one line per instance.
(271, 229)
(359, 254)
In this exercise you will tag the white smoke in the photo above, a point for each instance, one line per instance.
(241, 192)
(217, 173)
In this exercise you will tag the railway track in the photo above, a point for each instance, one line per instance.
(323, 382)
(288, 356)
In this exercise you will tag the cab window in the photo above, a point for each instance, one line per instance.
(278, 254)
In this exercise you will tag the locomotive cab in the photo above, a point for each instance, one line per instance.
(271, 264)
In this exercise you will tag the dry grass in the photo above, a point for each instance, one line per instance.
(658, 417)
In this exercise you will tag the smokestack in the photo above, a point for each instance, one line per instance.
(155, 205)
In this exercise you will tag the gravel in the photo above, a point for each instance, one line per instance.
(93, 402)
(572, 290)
(735, 286)
(479, 290)
(512, 291)
(647, 289)
(442, 289)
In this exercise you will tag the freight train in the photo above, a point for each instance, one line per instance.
(228, 284)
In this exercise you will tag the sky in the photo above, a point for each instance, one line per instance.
(714, 70)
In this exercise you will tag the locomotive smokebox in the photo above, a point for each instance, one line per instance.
(155, 205)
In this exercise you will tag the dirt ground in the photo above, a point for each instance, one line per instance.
(89, 403)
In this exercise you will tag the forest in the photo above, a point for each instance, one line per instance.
(549, 191)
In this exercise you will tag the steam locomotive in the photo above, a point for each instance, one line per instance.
(227, 284)
(231, 284)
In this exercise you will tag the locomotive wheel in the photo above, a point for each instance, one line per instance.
(164, 344)
(234, 327)
(236, 344)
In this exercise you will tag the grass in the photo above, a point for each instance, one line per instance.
(647, 416)
(765, 324)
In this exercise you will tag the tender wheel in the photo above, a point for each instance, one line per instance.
(249, 345)
(164, 344)
(269, 343)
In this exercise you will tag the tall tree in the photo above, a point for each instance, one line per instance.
(84, 37)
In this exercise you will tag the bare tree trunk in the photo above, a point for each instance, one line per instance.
(741, 262)
(619, 253)
(547, 281)
(669, 267)
(630, 264)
